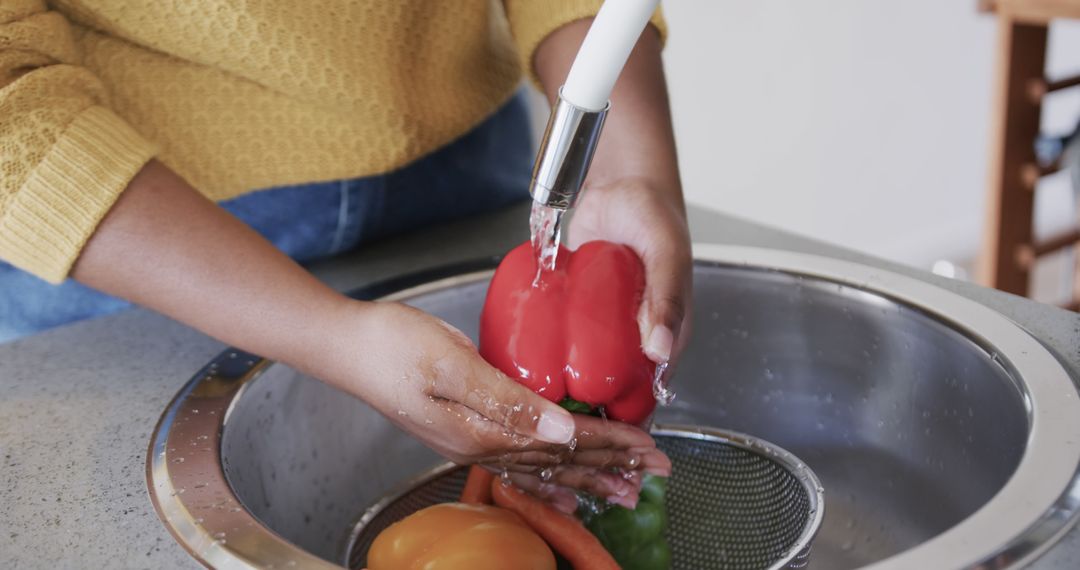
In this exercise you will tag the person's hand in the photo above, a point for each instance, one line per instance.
(651, 221)
(633, 193)
(428, 378)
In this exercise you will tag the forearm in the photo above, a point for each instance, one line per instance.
(638, 141)
(166, 247)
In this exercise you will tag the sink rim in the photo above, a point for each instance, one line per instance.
(1035, 514)
(1026, 516)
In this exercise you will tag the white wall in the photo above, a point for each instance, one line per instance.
(860, 122)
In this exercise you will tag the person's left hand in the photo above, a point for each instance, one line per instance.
(651, 220)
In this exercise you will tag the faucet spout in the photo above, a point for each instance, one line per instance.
(573, 128)
(566, 150)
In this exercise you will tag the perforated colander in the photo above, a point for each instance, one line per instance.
(734, 502)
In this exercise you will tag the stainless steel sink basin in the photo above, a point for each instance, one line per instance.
(943, 434)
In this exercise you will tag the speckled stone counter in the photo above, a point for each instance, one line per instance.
(78, 404)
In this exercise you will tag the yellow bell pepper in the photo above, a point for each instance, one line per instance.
(456, 536)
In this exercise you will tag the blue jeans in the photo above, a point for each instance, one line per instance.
(484, 170)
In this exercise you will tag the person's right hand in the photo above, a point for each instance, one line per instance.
(429, 379)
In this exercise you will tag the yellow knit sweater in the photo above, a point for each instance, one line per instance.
(236, 95)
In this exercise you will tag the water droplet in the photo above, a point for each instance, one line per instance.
(664, 395)
(546, 474)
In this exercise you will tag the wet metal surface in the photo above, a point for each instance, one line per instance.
(912, 424)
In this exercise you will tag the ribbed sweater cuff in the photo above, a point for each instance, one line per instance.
(49, 220)
(531, 21)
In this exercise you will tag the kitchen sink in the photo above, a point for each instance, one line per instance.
(943, 434)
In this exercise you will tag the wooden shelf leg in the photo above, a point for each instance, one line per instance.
(1010, 206)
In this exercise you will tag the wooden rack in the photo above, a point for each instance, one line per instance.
(1009, 247)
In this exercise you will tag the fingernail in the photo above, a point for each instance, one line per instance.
(658, 346)
(555, 427)
(628, 502)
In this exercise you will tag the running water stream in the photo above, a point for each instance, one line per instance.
(545, 229)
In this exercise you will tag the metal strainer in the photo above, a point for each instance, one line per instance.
(734, 502)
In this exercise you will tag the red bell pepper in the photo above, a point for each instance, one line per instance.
(574, 334)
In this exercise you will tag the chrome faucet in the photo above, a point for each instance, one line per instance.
(566, 150)
(573, 129)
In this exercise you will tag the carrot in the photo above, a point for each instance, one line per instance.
(563, 532)
(477, 486)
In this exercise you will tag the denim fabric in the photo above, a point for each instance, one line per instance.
(484, 170)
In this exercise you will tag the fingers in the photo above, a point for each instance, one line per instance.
(559, 497)
(615, 488)
(668, 275)
(616, 441)
(597, 433)
(589, 433)
(508, 404)
(654, 462)
(599, 458)
(604, 484)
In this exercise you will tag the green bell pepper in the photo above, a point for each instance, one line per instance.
(635, 538)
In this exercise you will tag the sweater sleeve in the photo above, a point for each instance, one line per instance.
(533, 20)
(64, 156)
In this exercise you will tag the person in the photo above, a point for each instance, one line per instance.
(186, 156)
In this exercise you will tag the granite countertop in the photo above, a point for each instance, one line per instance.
(78, 404)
